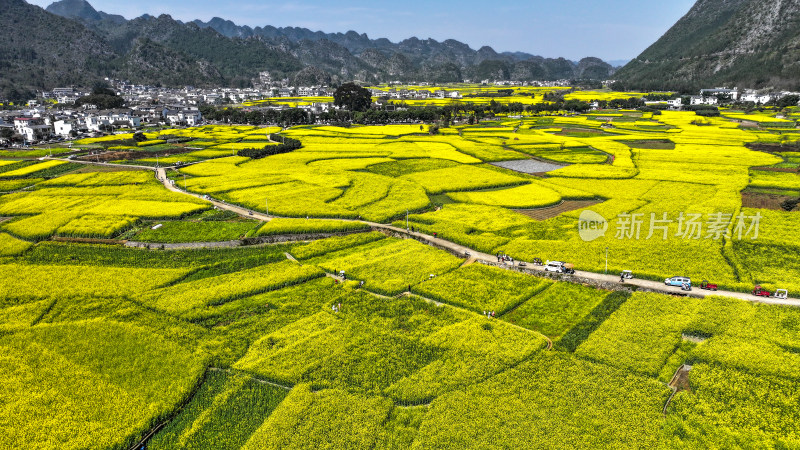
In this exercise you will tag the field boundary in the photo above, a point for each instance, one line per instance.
(246, 242)
(548, 212)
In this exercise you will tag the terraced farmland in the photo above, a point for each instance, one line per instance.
(269, 346)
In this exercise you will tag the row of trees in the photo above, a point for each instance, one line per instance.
(287, 145)
(469, 112)
(258, 117)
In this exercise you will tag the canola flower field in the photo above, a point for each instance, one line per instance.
(260, 347)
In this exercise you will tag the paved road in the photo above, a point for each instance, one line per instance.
(462, 250)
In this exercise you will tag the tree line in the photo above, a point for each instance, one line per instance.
(287, 145)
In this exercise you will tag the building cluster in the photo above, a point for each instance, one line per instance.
(38, 124)
(414, 94)
(719, 95)
(160, 106)
(192, 96)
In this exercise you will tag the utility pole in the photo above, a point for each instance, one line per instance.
(606, 260)
(184, 182)
(266, 203)
(406, 220)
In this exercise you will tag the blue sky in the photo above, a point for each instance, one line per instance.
(609, 29)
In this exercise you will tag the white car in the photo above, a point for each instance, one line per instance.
(554, 266)
(678, 281)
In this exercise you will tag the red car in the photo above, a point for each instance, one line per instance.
(758, 291)
(708, 286)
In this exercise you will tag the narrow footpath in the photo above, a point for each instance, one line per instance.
(161, 174)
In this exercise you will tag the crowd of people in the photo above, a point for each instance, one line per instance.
(501, 258)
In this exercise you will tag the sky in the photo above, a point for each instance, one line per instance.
(608, 29)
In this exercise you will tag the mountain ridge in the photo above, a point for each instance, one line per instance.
(745, 43)
(160, 50)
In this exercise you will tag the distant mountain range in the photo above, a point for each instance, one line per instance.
(73, 43)
(745, 43)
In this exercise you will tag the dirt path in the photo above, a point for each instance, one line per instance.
(549, 212)
(161, 174)
(470, 261)
(258, 380)
(461, 250)
(678, 383)
(613, 279)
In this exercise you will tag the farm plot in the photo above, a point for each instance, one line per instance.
(538, 400)
(225, 412)
(116, 376)
(308, 226)
(557, 309)
(389, 266)
(183, 297)
(204, 231)
(482, 288)
(92, 205)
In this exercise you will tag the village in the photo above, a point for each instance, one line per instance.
(53, 115)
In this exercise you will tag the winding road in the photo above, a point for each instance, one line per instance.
(461, 250)
(579, 276)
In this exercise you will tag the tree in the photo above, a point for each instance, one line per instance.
(102, 100)
(790, 204)
(103, 91)
(352, 97)
(788, 100)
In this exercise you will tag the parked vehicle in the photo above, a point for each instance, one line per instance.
(537, 262)
(708, 286)
(523, 264)
(686, 287)
(559, 267)
(554, 266)
(759, 291)
(678, 281)
(627, 274)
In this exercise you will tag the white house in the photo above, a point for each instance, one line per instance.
(63, 128)
(32, 129)
(675, 103)
(190, 117)
(755, 97)
(700, 100)
(732, 93)
(93, 123)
